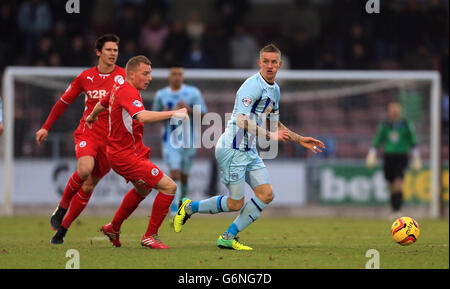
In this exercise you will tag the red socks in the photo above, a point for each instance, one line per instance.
(129, 203)
(77, 205)
(73, 185)
(159, 211)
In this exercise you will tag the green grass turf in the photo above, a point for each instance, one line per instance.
(277, 242)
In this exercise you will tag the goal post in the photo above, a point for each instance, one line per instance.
(11, 74)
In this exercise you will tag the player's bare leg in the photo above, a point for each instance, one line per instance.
(264, 193)
(85, 166)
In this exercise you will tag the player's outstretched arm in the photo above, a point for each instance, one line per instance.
(244, 121)
(58, 109)
(310, 143)
(148, 116)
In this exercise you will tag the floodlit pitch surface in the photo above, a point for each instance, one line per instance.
(301, 243)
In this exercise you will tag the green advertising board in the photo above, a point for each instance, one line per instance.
(353, 184)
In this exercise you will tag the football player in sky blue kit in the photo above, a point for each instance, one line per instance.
(237, 156)
(1, 125)
(178, 139)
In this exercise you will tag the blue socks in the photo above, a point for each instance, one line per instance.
(214, 205)
(249, 213)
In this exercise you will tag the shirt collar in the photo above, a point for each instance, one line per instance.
(265, 83)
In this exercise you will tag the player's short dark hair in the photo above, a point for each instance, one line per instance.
(135, 61)
(270, 48)
(110, 37)
(176, 65)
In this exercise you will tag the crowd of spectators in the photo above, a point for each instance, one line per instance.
(313, 34)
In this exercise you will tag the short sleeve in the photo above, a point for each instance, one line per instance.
(197, 99)
(246, 97)
(157, 104)
(131, 101)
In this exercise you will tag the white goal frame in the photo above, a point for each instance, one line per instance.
(432, 76)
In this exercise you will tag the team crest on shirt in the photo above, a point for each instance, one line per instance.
(247, 101)
(155, 172)
(137, 103)
(234, 176)
(83, 144)
(119, 79)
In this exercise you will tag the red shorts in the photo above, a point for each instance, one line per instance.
(137, 169)
(90, 146)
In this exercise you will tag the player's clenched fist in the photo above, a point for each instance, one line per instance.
(90, 120)
(41, 136)
(181, 113)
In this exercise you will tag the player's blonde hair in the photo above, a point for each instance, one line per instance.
(135, 61)
(270, 48)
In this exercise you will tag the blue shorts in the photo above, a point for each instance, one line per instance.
(235, 166)
(179, 158)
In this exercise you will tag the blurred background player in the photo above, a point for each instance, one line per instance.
(397, 136)
(1, 119)
(90, 146)
(178, 140)
(128, 155)
(238, 157)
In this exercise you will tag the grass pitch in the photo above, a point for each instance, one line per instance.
(278, 243)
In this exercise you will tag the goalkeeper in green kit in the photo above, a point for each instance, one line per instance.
(397, 136)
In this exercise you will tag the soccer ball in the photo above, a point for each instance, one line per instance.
(405, 231)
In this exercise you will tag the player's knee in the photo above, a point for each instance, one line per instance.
(142, 191)
(267, 197)
(398, 185)
(170, 188)
(84, 171)
(235, 205)
(173, 189)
